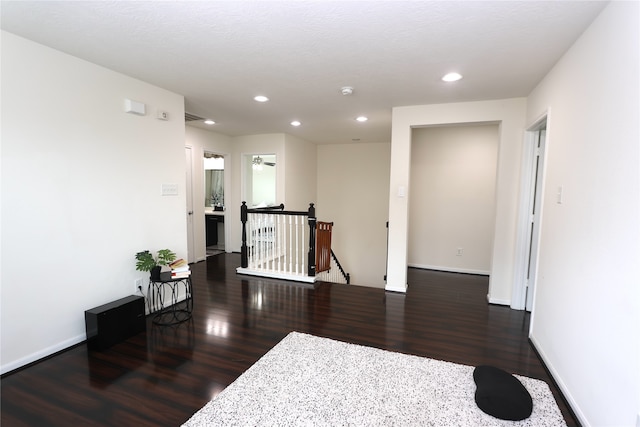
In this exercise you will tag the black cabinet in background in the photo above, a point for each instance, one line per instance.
(212, 229)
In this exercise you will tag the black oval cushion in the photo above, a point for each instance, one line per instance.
(501, 395)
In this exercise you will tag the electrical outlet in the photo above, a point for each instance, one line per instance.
(459, 252)
(138, 285)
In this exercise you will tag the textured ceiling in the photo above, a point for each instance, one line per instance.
(219, 54)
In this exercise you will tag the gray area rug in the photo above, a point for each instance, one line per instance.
(310, 381)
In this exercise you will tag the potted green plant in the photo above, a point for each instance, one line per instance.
(145, 261)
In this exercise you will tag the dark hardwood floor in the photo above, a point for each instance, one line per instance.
(163, 376)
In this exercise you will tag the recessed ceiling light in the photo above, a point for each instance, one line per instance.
(362, 119)
(451, 77)
(261, 98)
(209, 122)
(295, 123)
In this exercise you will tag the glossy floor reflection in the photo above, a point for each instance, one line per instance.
(163, 376)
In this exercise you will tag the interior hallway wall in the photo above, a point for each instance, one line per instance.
(452, 200)
(587, 301)
(353, 181)
(510, 114)
(301, 171)
(81, 193)
(201, 140)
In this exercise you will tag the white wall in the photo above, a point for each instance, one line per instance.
(201, 140)
(353, 183)
(585, 316)
(81, 184)
(510, 113)
(301, 173)
(452, 200)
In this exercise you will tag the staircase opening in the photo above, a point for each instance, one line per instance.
(290, 245)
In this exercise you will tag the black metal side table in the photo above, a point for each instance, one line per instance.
(164, 299)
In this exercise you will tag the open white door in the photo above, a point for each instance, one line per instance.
(536, 201)
(530, 217)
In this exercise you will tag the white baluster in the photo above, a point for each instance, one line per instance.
(304, 245)
(297, 250)
(258, 241)
(267, 242)
(251, 240)
(290, 269)
(281, 242)
(264, 240)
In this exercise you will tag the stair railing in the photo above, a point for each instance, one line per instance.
(335, 274)
(274, 242)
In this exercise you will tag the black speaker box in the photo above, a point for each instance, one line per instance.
(116, 321)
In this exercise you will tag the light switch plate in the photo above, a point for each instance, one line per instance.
(169, 190)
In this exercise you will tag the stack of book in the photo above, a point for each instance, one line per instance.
(179, 269)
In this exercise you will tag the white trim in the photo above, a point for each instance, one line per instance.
(497, 301)
(272, 275)
(518, 289)
(191, 236)
(518, 294)
(34, 357)
(400, 289)
(451, 269)
(561, 385)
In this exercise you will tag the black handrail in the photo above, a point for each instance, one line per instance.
(312, 241)
(346, 275)
(264, 208)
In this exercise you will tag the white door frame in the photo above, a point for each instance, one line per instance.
(189, 204)
(525, 238)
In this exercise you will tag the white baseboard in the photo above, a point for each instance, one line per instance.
(561, 385)
(450, 269)
(399, 289)
(498, 301)
(274, 275)
(41, 354)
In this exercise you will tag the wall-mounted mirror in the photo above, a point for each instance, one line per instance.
(260, 179)
(214, 181)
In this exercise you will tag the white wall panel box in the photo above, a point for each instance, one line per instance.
(134, 107)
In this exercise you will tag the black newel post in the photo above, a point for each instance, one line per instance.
(312, 240)
(244, 255)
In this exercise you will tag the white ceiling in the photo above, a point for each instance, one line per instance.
(220, 54)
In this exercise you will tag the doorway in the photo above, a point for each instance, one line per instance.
(214, 203)
(453, 197)
(259, 180)
(530, 216)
